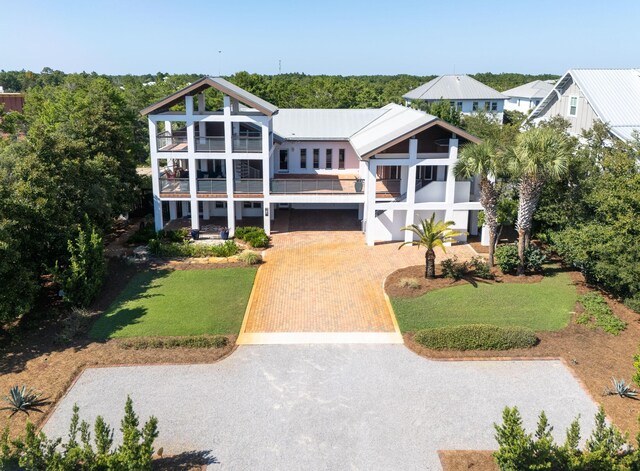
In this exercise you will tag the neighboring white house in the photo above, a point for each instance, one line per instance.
(464, 93)
(582, 96)
(389, 166)
(526, 97)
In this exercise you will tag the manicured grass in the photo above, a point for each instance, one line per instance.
(539, 306)
(178, 303)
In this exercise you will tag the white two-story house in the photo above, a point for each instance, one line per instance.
(464, 93)
(389, 167)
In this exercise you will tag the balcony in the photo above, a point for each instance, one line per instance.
(319, 185)
(247, 185)
(174, 186)
(212, 186)
(209, 143)
(176, 142)
(249, 143)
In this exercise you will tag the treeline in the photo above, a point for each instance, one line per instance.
(284, 90)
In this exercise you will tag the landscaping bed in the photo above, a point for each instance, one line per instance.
(592, 354)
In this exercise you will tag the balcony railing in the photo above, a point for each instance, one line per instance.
(209, 144)
(174, 185)
(212, 185)
(317, 186)
(171, 143)
(249, 144)
(248, 185)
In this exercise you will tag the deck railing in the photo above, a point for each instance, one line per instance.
(174, 185)
(316, 186)
(209, 143)
(212, 185)
(249, 144)
(248, 185)
(171, 142)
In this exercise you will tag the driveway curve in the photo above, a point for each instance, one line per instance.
(326, 407)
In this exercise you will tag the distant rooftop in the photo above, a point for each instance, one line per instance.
(536, 89)
(454, 87)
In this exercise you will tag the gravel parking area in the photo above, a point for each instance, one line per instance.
(324, 407)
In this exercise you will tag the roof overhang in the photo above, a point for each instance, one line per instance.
(219, 84)
(436, 122)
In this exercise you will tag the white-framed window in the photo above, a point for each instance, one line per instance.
(573, 105)
(303, 158)
(459, 106)
(494, 106)
(316, 158)
(475, 106)
(341, 159)
(487, 105)
(329, 159)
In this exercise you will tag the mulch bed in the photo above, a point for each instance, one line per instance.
(465, 460)
(591, 354)
(37, 358)
(393, 289)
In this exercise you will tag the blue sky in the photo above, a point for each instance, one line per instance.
(327, 36)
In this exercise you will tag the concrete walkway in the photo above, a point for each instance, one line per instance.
(320, 277)
(327, 407)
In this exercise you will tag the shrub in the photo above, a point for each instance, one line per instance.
(200, 341)
(621, 389)
(451, 268)
(598, 313)
(633, 303)
(226, 249)
(606, 448)
(21, 399)
(84, 273)
(143, 236)
(241, 232)
(481, 268)
(34, 451)
(257, 239)
(412, 283)
(476, 337)
(508, 260)
(250, 258)
(636, 366)
(187, 249)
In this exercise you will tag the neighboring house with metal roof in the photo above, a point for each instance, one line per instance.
(464, 93)
(526, 97)
(249, 162)
(582, 96)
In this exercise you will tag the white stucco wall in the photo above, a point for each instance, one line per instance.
(523, 105)
(351, 163)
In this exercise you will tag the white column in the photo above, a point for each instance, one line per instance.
(484, 238)
(173, 210)
(450, 187)
(231, 210)
(193, 173)
(360, 211)
(157, 203)
(239, 205)
(272, 211)
(411, 187)
(265, 162)
(231, 217)
(266, 217)
(202, 130)
(370, 209)
(167, 128)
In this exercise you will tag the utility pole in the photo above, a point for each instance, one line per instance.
(219, 63)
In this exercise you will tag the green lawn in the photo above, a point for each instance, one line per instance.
(539, 306)
(180, 303)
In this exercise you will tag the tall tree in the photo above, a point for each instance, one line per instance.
(431, 234)
(539, 155)
(483, 160)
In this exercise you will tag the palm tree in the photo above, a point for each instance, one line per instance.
(539, 155)
(431, 234)
(484, 161)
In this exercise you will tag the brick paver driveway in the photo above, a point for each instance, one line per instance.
(320, 276)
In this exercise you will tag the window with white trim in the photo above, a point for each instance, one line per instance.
(475, 106)
(303, 158)
(341, 159)
(316, 158)
(494, 106)
(329, 159)
(573, 105)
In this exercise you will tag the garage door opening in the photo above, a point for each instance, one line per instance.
(326, 218)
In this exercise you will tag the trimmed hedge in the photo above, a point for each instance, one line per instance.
(186, 249)
(252, 235)
(508, 260)
(476, 337)
(200, 341)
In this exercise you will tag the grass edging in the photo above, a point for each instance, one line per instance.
(476, 337)
(199, 341)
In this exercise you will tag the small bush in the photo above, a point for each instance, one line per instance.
(250, 258)
(476, 337)
(598, 313)
(507, 258)
(200, 341)
(257, 239)
(241, 232)
(143, 236)
(412, 283)
(451, 268)
(633, 303)
(481, 268)
(22, 399)
(226, 249)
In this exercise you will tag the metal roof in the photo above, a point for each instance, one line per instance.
(535, 89)
(397, 123)
(322, 124)
(220, 84)
(454, 87)
(614, 95)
